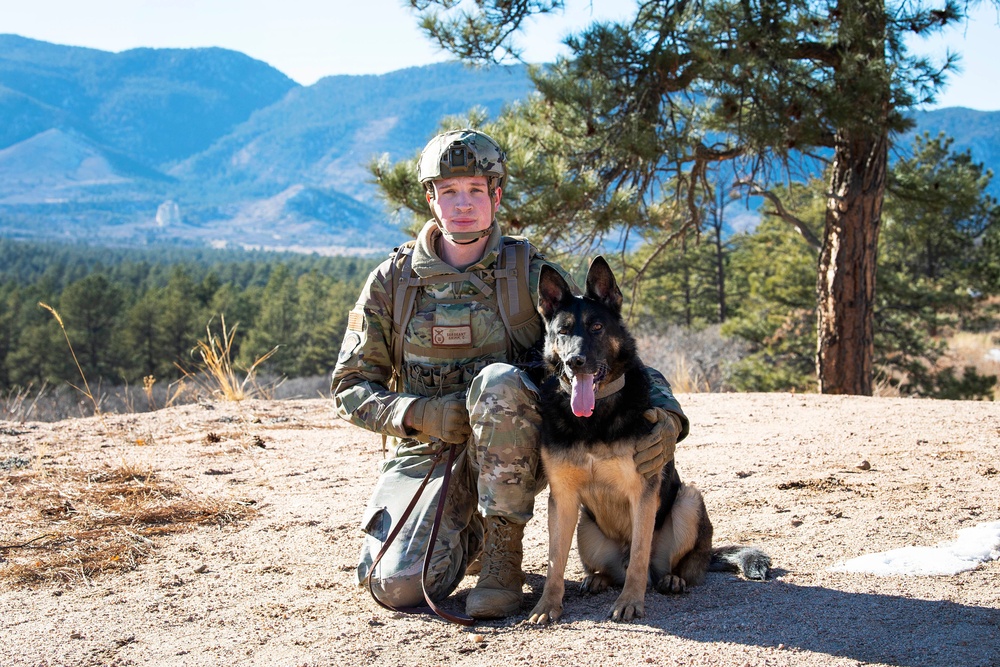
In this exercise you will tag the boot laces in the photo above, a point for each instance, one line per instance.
(498, 557)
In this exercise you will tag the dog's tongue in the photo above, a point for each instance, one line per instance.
(582, 397)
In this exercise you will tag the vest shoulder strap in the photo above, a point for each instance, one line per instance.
(513, 286)
(403, 298)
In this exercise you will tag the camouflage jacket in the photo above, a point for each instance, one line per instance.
(455, 330)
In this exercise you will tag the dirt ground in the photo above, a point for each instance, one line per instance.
(813, 480)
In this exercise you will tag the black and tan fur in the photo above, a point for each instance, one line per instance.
(629, 528)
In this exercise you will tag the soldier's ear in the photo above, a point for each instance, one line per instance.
(602, 286)
(553, 291)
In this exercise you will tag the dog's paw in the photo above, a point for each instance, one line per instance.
(545, 613)
(671, 583)
(626, 610)
(595, 583)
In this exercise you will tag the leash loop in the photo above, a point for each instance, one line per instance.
(460, 619)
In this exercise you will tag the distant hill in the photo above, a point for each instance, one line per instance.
(209, 146)
(975, 131)
(325, 135)
(155, 105)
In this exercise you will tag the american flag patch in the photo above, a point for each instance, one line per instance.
(355, 321)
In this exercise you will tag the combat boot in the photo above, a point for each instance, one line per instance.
(498, 593)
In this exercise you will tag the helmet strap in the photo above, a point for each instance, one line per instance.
(465, 238)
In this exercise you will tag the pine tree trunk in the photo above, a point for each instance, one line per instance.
(847, 266)
(846, 277)
(846, 284)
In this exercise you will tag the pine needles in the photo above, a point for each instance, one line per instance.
(74, 526)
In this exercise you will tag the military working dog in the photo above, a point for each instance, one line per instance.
(630, 528)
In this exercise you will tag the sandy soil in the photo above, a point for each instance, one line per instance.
(785, 472)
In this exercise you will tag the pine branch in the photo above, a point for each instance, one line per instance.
(783, 213)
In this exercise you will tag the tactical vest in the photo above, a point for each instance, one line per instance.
(507, 283)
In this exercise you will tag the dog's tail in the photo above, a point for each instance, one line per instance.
(751, 562)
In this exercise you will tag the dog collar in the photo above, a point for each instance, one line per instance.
(612, 387)
(603, 391)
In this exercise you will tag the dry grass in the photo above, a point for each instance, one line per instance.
(979, 350)
(692, 360)
(217, 374)
(687, 377)
(17, 404)
(73, 525)
(85, 390)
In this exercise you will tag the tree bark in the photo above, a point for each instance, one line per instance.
(846, 273)
(847, 266)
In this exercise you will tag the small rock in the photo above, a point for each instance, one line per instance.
(865, 465)
(76, 635)
(201, 569)
(478, 639)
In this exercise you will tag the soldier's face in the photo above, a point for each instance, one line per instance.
(462, 204)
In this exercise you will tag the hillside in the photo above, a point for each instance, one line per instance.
(155, 105)
(222, 532)
(94, 143)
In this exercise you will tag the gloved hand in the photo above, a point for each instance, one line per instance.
(656, 449)
(444, 418)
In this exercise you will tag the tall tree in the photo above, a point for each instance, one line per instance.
(275, 325)
(932, 253)
(91, 308)
(648, 107)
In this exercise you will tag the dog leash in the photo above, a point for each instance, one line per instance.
(431, 606)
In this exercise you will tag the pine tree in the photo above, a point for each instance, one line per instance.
(180, 321)
(939, 218)
(91, 308)
(649, 106)
(275, 325)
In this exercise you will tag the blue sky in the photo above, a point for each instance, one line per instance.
(310, 39)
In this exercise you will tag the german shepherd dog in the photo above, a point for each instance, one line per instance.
(630, 528)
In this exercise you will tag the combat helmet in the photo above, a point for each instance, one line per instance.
(464, 152)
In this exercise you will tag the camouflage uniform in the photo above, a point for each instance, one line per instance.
(501, 473)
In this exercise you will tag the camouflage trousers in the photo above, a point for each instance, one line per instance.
(499, 475)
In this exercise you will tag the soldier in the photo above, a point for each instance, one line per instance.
(434, 354)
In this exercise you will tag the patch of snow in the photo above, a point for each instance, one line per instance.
(973, 547)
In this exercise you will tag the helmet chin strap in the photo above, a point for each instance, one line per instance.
(466, 238)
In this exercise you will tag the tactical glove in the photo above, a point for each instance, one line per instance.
(444, 418)
(654, 450)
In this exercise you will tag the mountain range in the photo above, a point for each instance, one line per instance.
(211, 147)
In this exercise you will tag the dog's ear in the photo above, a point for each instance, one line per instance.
(553, 291)
(602, 286)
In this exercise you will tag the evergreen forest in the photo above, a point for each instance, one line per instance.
(134, 315)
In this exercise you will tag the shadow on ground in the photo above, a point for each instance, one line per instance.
(910, 632)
